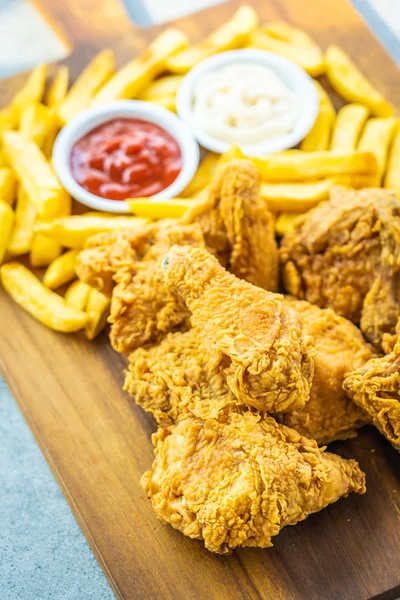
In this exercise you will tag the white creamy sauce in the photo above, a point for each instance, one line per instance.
(244, 103)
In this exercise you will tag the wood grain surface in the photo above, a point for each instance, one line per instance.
(97, 442)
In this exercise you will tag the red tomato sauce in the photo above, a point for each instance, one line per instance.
(126, 158)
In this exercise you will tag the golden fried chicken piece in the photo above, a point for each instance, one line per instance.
(381, 308)
(237, 480)
(339, 346)
(238, 227)
(142, 307)
(114, 252)
(171, 378)
(246, 333)
(376, 388)
(234, 224)
(343, 254)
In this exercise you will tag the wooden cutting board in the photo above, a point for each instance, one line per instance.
(97, 442)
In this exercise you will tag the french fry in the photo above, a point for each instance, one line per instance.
(286, 222)
(41, 303)
(168, 102)
(349, 123)
(352, 85)
(96, 75)
(8, 186)
(34, 173)
(25, 215)
(376, 138)
(73, 231)
(208, 170)
(295, 197)
(318, 137)
(356, 181)
(290, 34)
(6, 225)
(77, 295)
(59, 88)
(44, 250)
(233, 153)
(233, 34)
(129, 81)
(33, 88)
(297, 47)
(299, 39)
(203, 176)
(9, 118)
(303, 166)
(53, 129)
(97, 309)
(162, 87)
(392, 177)
(61, 270)
(39, 124)
(174, 208)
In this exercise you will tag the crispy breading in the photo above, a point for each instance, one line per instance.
(376, 388)
(339, 346)
(248, 334)
(344, 255)
(238, 227)
(233, 223)
(237, 480)
(171, 378)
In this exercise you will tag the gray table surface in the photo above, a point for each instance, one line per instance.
(43, 553)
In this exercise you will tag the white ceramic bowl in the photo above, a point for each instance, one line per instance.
(291, 74)
(91, 118)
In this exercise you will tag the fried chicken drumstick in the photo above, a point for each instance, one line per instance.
(171, 378)
(232, 223)
(345, 254)
(237, 480)
(249, 335)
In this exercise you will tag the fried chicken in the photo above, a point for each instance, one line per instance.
(248, 334)
(376, 388)
(171, 378)
(339, 346)
(142, 308)
(233, 223)
(238, 227)
(237, 480)
(344, 254)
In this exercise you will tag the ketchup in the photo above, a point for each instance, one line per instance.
(126, 158)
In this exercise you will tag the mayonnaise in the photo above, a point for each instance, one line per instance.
(244, 103)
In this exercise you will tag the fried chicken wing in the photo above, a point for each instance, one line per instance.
(237, 225)
(376, 388)
(248, 334)
(344, 254)
(142, 307)
(107, 254)
(339, 346)
(233, 223)
(238, 480)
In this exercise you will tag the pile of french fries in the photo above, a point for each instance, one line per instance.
(358, 146)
